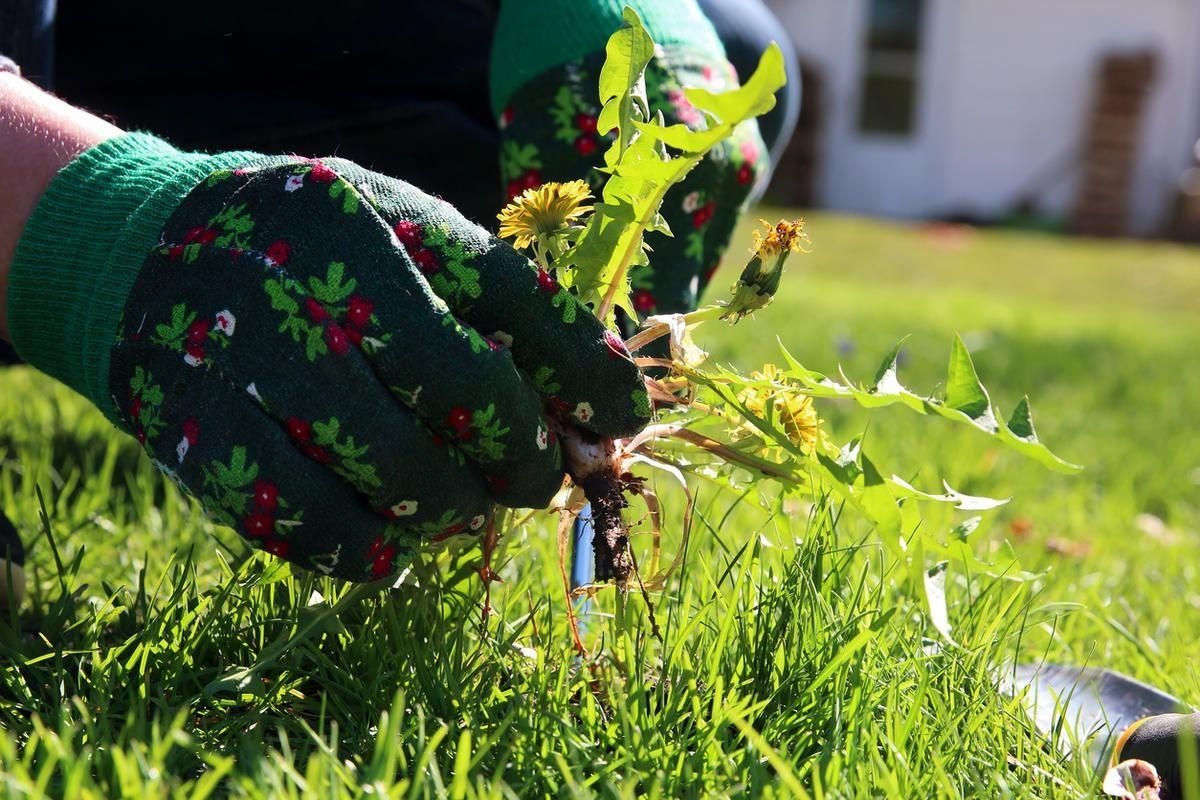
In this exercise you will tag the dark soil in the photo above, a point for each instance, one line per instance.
(611, 540)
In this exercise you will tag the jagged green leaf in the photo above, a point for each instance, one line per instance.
(886, 381)
(1020, 424)
(964, 392)
(622, 82)
(966, 401)
(935, 598)
(964, 502)
(755, 97)
(879, 499)
(1021, 436)
(848, 472)
(641, 170)
(965, 528)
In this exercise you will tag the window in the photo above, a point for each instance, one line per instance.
(893, 47)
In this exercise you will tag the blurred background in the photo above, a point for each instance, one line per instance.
(1075, 115)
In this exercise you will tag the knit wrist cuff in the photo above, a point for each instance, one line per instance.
(534, 36)
(83, 247)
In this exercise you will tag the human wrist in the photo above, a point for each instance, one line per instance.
(83, 246)
(39, 135)
(567, 30)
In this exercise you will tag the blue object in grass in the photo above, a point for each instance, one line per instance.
(583, 557)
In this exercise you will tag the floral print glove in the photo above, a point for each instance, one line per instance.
(344, 369)
(549, 134)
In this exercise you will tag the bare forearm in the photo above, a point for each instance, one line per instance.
(39, 134)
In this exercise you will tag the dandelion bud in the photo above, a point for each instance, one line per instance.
(760, 277)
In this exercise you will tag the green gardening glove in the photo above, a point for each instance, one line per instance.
(339, 366)
(546, 99)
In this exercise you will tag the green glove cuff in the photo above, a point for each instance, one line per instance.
(533, 36)
(84, 245)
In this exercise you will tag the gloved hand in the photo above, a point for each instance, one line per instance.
(337, 365)
(546, 101)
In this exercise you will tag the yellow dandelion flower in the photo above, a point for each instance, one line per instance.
(792, 408)
(543, 210)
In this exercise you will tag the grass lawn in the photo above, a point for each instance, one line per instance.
(798, 658)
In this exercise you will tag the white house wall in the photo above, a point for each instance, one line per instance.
(1004, 91)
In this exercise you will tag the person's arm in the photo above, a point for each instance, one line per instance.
(39, 135)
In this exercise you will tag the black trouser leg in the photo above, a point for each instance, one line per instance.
(12, 564)
(27, 37)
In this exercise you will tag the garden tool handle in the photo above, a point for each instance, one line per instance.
(1161, 740)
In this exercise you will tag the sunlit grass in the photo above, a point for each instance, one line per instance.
(797, 654)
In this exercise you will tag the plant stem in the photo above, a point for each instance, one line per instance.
(730, 454)
(659, 329)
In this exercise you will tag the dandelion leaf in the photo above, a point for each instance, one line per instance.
(935, 599)
(964, 392)
(1020, 424)
(966, 400)
(622, 83)
(640, 168)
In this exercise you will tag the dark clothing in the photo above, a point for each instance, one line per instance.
(27, 37)
(401, 88)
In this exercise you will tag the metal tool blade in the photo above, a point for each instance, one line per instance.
(1085, 706)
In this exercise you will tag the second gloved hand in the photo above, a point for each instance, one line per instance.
(548, 109)
(337, 365)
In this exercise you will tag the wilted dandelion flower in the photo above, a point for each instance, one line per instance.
(543, 211)
(760, 278)
(784, 237)
(793, 409)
